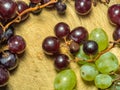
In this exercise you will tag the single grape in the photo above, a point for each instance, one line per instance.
(61, 29)
(100, 36)
(4, 76)
(115, 86)
(90, 47)
(74, 47)
(61, 61)
(9, 32)
(36, 12)
(21, 6)
(82, 56)
(114, 14)
(60, 7)
(65, 80)
(107, 63)
(8, 60)
(16, 44)
(51, 45)
(7, 9)
(88, 72)
(79, 35)
(103, 81)
(83, 7)
(116, 33)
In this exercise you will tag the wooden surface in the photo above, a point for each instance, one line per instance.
(37, 73)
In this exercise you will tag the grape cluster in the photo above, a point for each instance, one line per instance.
(90, 51)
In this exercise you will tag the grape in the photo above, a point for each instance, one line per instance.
(65, 80)
(83, 7)
(90, 47)
(107, 63)
(100, 36)
(4, 76)
(36, 12)
(88, 71)
(61, 29)
(60, 7)
(115, 86)
(74, 47)
(21, 6)
(16, 44)
(8, 60)
(103, 81)
(114, 14)
(79, 35)
(51, 45)
(7, 9)
(61, 61)
(116, 33)
(82, 56)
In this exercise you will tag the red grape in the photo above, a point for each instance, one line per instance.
(83, 7)
(51, 45)
(61, 29)
(16, 44)
(116, 33)
(79, 35)
(114, 14)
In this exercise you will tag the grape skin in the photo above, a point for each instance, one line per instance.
(107, 63)
(65, 80)
(100, 36)
(103, 81)
(88, 71)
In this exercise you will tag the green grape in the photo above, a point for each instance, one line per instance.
(65, 80)
(107, 63)
(115, 86)
(88, 71)
(103, 81)
(82, 56)
(100, 36)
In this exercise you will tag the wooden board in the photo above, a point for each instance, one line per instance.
(38, 73)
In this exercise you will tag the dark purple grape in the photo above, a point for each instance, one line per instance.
(61, 62)
(7, 34)
(36, 12)
(114, 14)
(21, 6)
(61, 30)
(7, 9)
(16, 44)
(60, 7)
(79, 35)
(90, 47)
(51, 45)
(83, 7)
(74, 47)
(4, 76)
(1, 34)
(116, 33)
(35, 1)
(8, 60)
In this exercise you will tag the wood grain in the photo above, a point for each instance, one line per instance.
(36, 71)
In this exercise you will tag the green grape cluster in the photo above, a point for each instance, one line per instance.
(96, 65)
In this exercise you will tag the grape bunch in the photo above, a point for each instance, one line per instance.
(90, 50)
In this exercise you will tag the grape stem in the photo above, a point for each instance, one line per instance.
(17, 19)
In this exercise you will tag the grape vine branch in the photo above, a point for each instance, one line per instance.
(18, 18)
